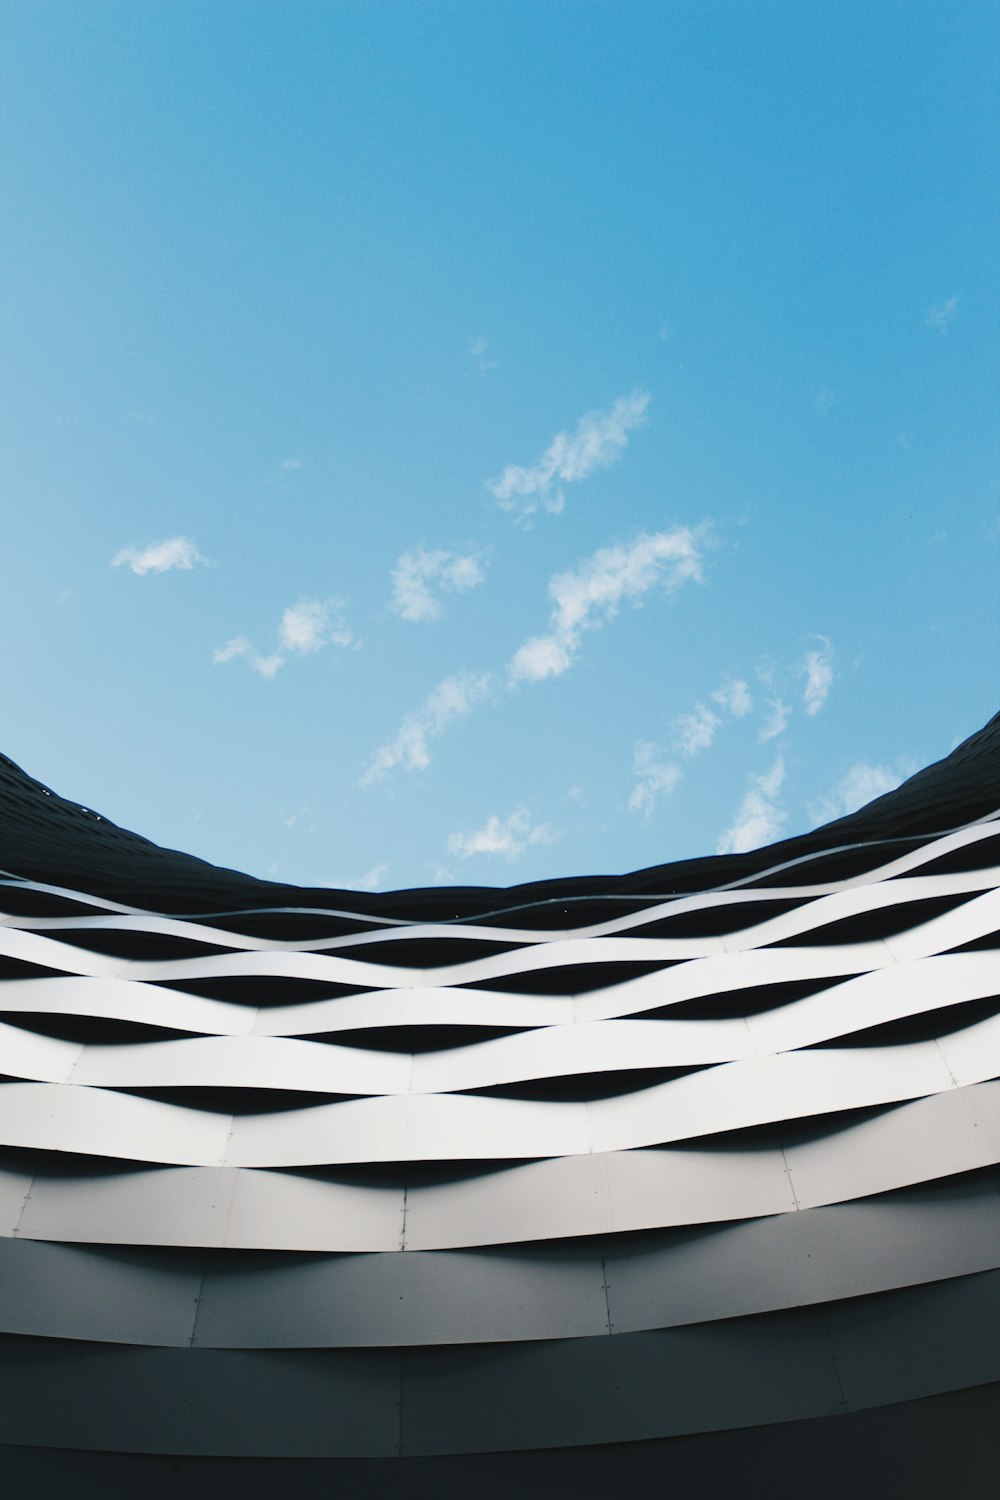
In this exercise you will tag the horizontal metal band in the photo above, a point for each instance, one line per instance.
(804, 1165)
(777, 1367)
(559, 1290)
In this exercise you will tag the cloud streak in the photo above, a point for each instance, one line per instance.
(817, 668)
(760, 816)
(312, 624)
(941, 315)
(160, 557)
(734, 696)
(776, 721)
(419, 572)
(451, 700)
(695, 731)
(861, 784)
(592, 595)
(653, 778)
(596, 442)
(509, 836)
(304, 628)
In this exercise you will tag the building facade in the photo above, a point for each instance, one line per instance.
(687, 1177)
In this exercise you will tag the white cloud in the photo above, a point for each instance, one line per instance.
(652, 776)
(776, 720)
(695, 731)
(507, 836)
(941, 314)
(588, 598)
(817, 668)
(416, 571)
(478, 349)
(760, 817)
(267, 666)
(452, 699)
(312, 624)
(541, 656)
(238, 646)
(291, 463)
(734, 695)
(160, 557)
(304, 627)
(598, 439)
(856, 788)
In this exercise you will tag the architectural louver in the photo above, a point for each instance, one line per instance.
(688, 1177)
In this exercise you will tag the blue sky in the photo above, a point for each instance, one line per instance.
(477, 442)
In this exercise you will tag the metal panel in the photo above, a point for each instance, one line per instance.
(561, 1198)
(971, 1054)
(731, 1096)
(813, 1256)
(14, 1189)
(647, 1189)
(102, 1396)
(553, 1290)
(59, 1117)
(536, 1200)
(913, 1142)
(173, 1206)
(437, 1298)
(242, 1062)
(635, 1387)
(977, 917)
(286, 1211)
(123, 1000)
(915, 1342)
(60, 1291)
(983, 1105)
(773, 1368)
(885, 994)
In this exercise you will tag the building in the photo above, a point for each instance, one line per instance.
(686, 1178)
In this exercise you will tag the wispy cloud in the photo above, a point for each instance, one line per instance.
(304, 627)
(817, 667)
(312, 624)
(776, 721)
(941, 315)
(238, 646)
(293, 819)
(290, 464)
(596, 441)
(653, 777)
(160, 557)
(418, 572)
(507, 836)
(857, 787)
(760, 817)
(691, 733)
(478, 349)
(695, 731)
(734, 695)
(587, 598)
(452, 699)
